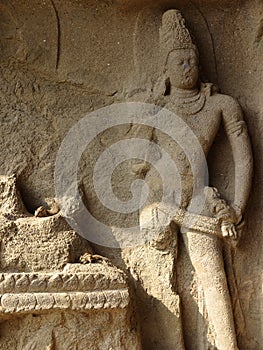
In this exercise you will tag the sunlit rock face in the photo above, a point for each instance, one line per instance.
(60, 62)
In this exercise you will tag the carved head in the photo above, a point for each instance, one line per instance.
(182, 59)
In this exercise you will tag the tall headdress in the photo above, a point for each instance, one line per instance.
(173, 32)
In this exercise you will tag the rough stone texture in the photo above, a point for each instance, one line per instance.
(76, 60)
(85, 306)
(71, 330)
(34, 244)
(153, 271)
(57, 303)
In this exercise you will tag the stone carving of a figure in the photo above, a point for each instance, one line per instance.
(204, 110)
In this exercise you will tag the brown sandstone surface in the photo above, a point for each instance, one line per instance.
(59, 61)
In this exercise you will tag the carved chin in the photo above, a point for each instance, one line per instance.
(188, 82)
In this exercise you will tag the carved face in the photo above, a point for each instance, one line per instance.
(182, 68)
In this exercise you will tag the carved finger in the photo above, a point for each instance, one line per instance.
(225, 232)
(230, 231)
(233, 232)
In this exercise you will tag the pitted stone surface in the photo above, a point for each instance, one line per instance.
(60, 60)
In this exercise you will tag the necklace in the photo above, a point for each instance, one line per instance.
(188, 102)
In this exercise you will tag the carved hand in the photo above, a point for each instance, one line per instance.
(231, 217)
(232, 223)
(228, 230)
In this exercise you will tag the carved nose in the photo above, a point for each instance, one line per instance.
(186, 66)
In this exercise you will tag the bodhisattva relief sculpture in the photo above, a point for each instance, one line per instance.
(204, 110)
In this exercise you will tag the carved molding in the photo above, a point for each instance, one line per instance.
(37, 292)
(21, 303)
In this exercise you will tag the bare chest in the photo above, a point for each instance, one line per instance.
(203, 125)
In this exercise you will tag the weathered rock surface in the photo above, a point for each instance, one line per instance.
(47, 299)
(62, 60)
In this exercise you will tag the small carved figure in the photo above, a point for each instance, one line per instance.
(42, 211)
(88, 258)
(203, 110)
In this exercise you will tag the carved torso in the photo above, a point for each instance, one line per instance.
(204, 119)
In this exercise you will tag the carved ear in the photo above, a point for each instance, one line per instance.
(162, 87)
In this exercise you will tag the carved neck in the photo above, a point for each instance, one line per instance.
(187, 102)
(181, 93)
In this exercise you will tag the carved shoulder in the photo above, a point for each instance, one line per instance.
(231, 113)
(229, 105)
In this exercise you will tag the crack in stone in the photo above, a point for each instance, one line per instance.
(58, 32)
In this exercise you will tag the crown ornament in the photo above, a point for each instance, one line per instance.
(173, 33)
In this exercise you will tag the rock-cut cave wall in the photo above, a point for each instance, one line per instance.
(60, 60)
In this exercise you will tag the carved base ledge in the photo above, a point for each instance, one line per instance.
(78, 287)
(13, 303)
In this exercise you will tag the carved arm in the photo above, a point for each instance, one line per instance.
(237, 133)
